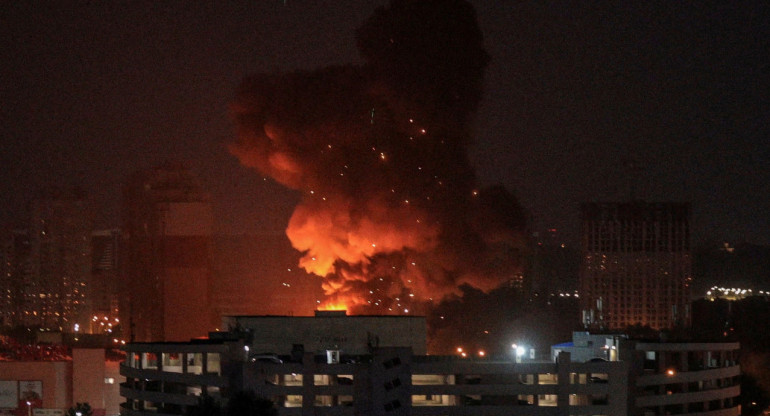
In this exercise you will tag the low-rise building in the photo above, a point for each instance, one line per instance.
(682, 378)
(303, 376)
(49, 386)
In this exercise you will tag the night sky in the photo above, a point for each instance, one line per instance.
(583, 102)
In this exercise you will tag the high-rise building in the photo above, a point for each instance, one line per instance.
(553, 264)
(636, 264)
(10, 283)
(28, 298)
(168, 227)
(56, 269)
(46, 271)
(16, 278)
(105, 275)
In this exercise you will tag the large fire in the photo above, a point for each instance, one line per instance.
(390, 217)
(332, 307)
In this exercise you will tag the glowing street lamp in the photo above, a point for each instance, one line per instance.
(518, 351)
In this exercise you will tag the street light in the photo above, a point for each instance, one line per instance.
(518, 351)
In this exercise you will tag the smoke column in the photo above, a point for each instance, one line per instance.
(390, 214)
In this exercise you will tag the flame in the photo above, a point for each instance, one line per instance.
(333, 307)
(339, 302)
(389, 215)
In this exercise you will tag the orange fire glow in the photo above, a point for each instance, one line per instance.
(389, 215)
(339, 302)
(333, 307)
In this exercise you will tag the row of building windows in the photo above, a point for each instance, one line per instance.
(636, 237)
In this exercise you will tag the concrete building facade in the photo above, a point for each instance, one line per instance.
(642, 379)
(687, 378)
(106, 246)
(168, 226)
(58, 273)
(46, 270)
(329, 330)
(15, 278)
(87, 377)
(65, 285)
(636, 264)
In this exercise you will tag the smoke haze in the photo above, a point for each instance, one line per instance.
(390, 214)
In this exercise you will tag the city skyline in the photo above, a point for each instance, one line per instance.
(390, 157)
(581, 103)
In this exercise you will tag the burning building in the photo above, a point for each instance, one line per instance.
(391, 215)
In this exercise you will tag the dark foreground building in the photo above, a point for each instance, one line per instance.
(334, 364)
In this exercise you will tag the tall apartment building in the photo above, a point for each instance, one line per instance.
(53, 263)
(553, 266)
(15, 276)
(636, 264)
(106, 247)
(8, 298)
(21, 303)
(10, 302)
(168, 227)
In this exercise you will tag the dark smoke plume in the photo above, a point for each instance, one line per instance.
(390, 214)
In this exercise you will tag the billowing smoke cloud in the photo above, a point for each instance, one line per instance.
(390, 214)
